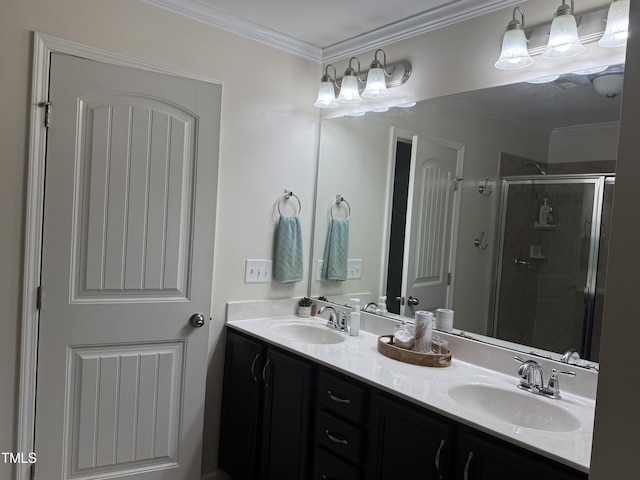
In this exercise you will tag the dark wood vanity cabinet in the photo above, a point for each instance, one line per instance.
(340, 432)
(286, 418)
(482, 457)
(266, 412)
(407, 441)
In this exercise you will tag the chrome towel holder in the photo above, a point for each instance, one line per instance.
(286, 196)
(340, 199)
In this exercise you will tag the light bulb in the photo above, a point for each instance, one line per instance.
(617, 29)
(349, 90)
(326, 96)
(376, 84)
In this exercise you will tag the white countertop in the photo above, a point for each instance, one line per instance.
(358, 357)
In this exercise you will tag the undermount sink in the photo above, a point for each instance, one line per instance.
(306, 333)
(514, 407)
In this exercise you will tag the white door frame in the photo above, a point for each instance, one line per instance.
(44, 46)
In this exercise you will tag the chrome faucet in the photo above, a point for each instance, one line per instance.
(570, 356)
(370, 304)
(533, 381)
(333, 316)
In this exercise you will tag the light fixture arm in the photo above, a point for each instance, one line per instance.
(565, 9)
(327, 77)
(356, 73)
(515, 23)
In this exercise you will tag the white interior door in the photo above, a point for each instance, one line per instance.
(128, 234)
(431, 210)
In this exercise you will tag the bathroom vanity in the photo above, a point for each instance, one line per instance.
(337, 409)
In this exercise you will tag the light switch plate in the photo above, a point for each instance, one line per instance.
(354, 269)
(258, 271)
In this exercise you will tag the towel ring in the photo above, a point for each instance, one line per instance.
(339, 199)
(286, 196)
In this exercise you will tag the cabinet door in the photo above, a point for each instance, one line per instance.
(407, 442)
(241, 407)
(287, 410)
(485, 458)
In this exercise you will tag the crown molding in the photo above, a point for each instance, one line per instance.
(233, 24)
(452, 12)
(587, 128)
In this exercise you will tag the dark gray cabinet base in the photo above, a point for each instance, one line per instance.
(286, 418)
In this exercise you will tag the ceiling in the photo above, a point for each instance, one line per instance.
(330, 29)
(567, 102)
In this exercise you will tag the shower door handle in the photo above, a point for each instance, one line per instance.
(519, 263)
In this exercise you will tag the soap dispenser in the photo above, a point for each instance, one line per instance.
(382, 305)
(354, 327)
(543, 215)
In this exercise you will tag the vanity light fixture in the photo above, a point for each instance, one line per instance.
(349, 92)
(515, 53)
(563, 37)
(326, 92)
(617, 29)
(378, 79)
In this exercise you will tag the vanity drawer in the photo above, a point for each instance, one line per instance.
(340, 396)
(329, 467)
(338, 436)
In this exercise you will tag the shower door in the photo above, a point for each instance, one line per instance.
(547, 273)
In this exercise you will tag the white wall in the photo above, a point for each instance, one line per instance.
(583, 144)
(354, 161)
(268, 143)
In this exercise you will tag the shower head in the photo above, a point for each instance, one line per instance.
(541, 171)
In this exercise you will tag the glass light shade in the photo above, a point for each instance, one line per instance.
(609, 84)
(349, 90)
(617, 29)
(376, 84)
(326, 96)
(514, 51)
(563, 38)
(545, 79)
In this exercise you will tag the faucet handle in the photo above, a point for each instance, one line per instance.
(553, 389)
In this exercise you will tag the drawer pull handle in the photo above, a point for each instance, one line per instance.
(253, 367)
(466, 467)
(264, 373)
(338, 398)
(336, 437)
(438, 458)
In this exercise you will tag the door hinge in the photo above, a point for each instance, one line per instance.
(456, 181)
(33, 471)
(47, 113)
(39, 298)
(448, 279)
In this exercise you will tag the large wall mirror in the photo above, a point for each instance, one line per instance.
(494, 203)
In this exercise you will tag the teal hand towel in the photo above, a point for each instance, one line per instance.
(336, 250)
(288, 255)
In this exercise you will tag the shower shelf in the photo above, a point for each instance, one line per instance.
(549, 226)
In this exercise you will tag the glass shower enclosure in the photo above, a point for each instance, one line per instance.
(550, 271)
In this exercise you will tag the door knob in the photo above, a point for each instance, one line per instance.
(197, 320)
(413, 301)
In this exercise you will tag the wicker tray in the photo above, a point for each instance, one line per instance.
(388, 349)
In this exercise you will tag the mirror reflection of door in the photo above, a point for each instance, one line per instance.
(420, 254)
